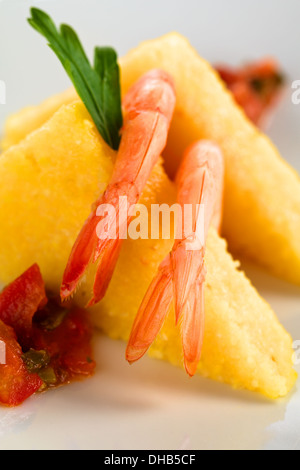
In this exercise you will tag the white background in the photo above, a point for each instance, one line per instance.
(153, 405)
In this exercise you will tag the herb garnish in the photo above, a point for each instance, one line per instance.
(97, 86)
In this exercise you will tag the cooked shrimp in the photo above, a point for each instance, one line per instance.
(181, 275)
(149, 107)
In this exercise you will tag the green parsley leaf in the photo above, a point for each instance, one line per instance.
(98, 86)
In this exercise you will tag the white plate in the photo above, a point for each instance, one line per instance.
(153, 405)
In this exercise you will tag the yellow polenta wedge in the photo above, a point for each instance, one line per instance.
(262, 192)
(20, 124)
(244, 344)
(45, 181)
(49, 182)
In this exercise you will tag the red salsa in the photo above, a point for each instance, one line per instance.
(45, 344)
(256, 87)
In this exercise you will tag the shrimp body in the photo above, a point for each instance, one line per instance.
(149, 107)
(181, 275)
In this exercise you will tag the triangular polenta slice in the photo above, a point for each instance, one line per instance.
(244, 344)
(44, 183)
(22, 123)
(262, 192)
(49, 182)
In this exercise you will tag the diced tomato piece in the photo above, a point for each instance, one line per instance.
(45, 343)
(248, 100)
(256, 87)
(68, 345)
(20, 300)
(16, 383)
(228, 75)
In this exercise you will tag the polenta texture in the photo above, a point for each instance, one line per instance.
(51, 180)
(262, 192)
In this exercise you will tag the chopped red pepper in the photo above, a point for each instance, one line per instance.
(16, 383)
(20, 300)
(45, 344)
(256, 87)
(68, 345)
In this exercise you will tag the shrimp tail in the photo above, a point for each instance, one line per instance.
(105, 270)
(189, 280)
(193, 328)
(152, 313)
(188, 268)
(81, 256)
